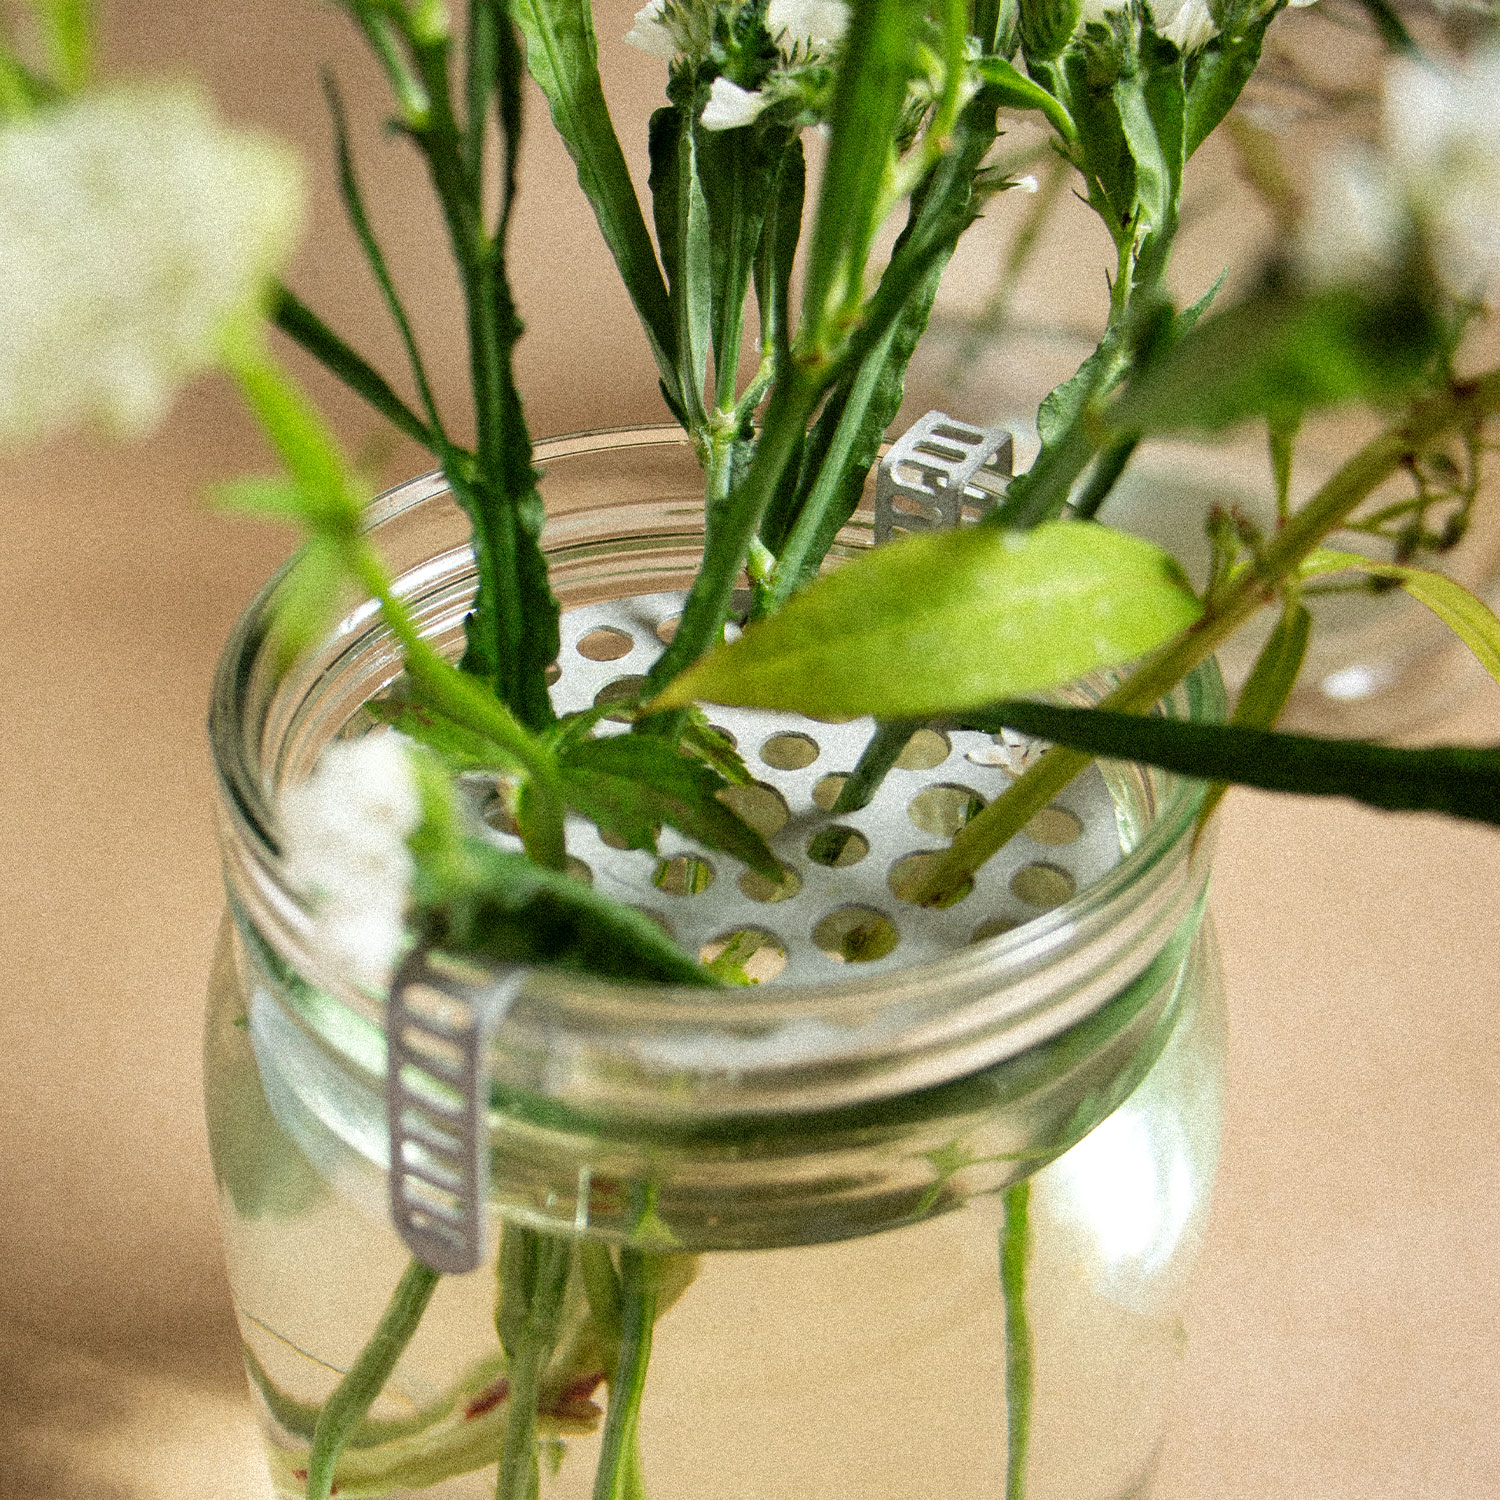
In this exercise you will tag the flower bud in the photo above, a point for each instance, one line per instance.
(1046, 26)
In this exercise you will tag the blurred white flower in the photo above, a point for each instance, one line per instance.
(1357, 225)
(651, 33)
(343, 843)
(811, 26)
(1442, 127)
(1191, 24)
(729, 106)
(1028, 183)
(135, 230)
(1438, 176)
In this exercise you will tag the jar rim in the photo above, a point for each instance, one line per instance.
(855, 1036)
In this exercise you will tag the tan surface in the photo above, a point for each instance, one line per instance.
(1344, 1340)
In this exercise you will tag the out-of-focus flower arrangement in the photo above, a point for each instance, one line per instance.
(141, 242)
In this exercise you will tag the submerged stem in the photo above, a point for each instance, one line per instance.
(618, 1476)
(345, 1409)
(1015, 1250)
(548, 1258)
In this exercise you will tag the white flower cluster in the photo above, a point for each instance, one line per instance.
(343, 835)
(1438, 176)
(134, 230)
(803, 30)
(1189, 24)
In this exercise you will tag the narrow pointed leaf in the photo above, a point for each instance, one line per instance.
(462, 748)
(1466, 615)
(934, 624)
(1461, 781)
(630, 785)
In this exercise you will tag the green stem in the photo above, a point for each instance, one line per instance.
(1015, 1249)
(465, 700)
(345, 1409)
(883, 751)
(1242, 597)
(618, 1475)
(550, 1259)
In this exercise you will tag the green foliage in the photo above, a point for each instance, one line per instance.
(501, 907)
(632, 784)
(1458, 780)
(939, 623)
(1466, 615)
(1282, 351)
(562, 56)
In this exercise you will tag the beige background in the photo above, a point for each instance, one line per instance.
(1347, 1317)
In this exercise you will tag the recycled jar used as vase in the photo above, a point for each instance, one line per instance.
(917, 1226)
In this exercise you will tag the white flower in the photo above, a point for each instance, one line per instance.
(813, 26)
(1443, 130)
(729, 106)
(343, 843)
(1028, 183)
(651, 33)
(1191, 27)
(1357, 224)
(134, 231)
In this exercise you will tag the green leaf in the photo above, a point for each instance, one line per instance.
(1218, 74)
(1280, 352)
(295, 319)
(498, 905)
(938, 623)
(1466, 615)
(868, 101)
(1014, 90)
(778, 250)
(266, 497)
(1454, 779)
(632, 784)
(1151, 104)
(461, 748)
(714, 748)
(563, 57)
(1090, 68)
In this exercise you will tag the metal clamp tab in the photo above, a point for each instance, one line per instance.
(438, 1023)
(940, 473)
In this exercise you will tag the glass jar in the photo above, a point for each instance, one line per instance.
(918, 1231)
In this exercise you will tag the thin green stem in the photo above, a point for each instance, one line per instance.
(528, 1351)
(883, 751)
(1015, 1251)
(463, 699)
(345, 1409)
(618, 1474)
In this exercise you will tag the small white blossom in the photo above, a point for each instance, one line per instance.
(1028, 183)
(812, 27)
(343, 837)
(134, 231)
(1191, 28)
(729, 106)
(1443, 130)
(651, 33)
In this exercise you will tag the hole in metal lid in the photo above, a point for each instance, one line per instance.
(925, 750)
(749, 955)
(763, 888)
(908, 872)
(621, 690)
(759, 805)
(683, 875)
(856, 935)
(943, 809)
(837, 847)
(1054, 825)
(789, 752)
(1043, 886)
(605, 644)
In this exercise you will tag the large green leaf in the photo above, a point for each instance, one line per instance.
(934, 624)
(1467, 616)
(632, 784)
(1454, 779)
